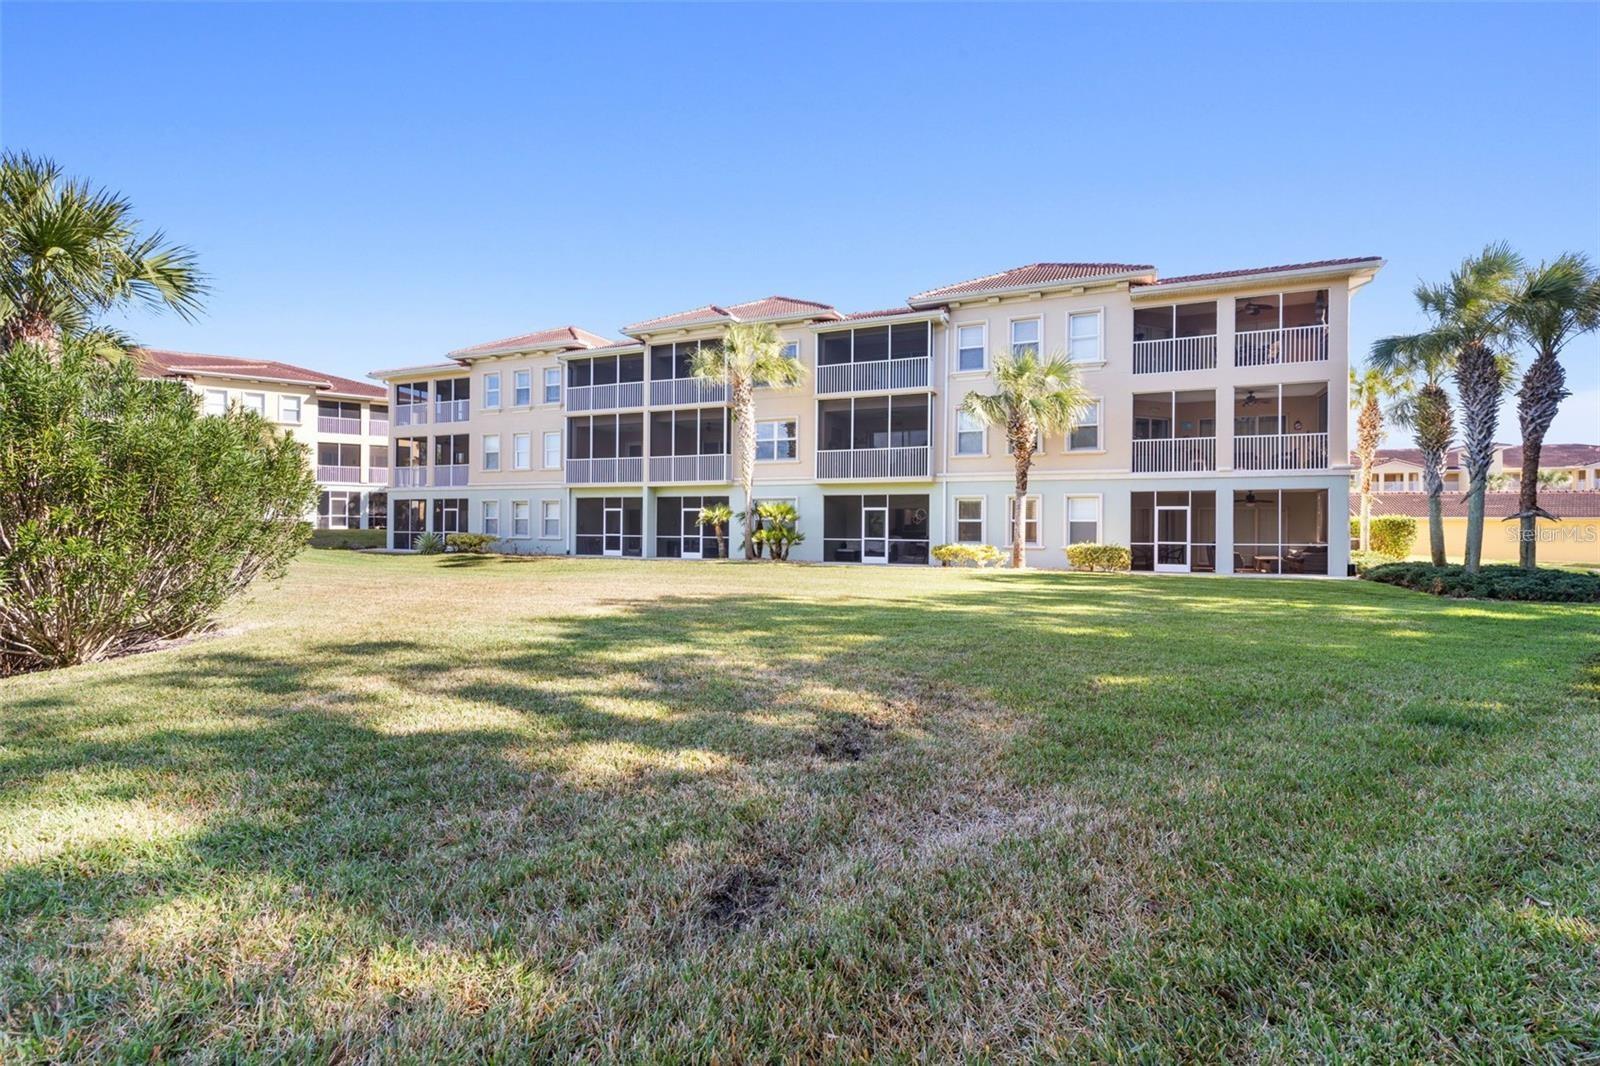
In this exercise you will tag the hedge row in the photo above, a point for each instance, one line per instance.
(1491, 582)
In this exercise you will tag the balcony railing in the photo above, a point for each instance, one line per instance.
(707, 469)
(346, 475)
(625, 471)
(338, 424)
(450, 474)
(1174, 455)
(1175, 354)
(862, 464)
(687, 390)
(605, 397)
(452, 410)
(1281, 451)
(411, 414)
(410, 477)
(880, 375)
(1292, 344)
(378, 475)
(378, 427)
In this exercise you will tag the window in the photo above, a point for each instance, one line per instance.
(552, 384)
(522, 388)
(520, 443)
(1030, 521)
(491, 389)
(1083, 337)
(255, 401)
(1025, 336)
(550, 519)
(491, 452)
(289, 410)
(970, 434)
(791, 351)
(552, 450)
(216, 402)
(1083, 519)
(776, 440)
(1084, 436)
(970, 345)
(969, 520)
(520, 518)
(491, 517)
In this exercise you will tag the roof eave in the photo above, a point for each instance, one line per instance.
(1011, 290)
(929, 314)
(1368, 267)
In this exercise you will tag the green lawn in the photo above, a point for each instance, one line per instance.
(419, 807)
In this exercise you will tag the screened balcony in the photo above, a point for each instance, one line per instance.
(1280, 427)
(875, 358)
(672, 380)
(874, 438)
(1281, 531)
(452, 400)
(338, 463)
(378, 421)
(411, 404)
(605, 450)
(338, 416)
(1175, 338)
(1284, 327)
(689, 445)
(410, 470)
(1174, 432)
(451, 461)
(605, 382)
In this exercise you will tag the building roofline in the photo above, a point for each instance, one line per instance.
(925, 300)
(1227, 280)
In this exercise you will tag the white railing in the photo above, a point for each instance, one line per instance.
(687, 390)
(692, 468)
(860, 464)
(629, 470)
(377, 475)
(338, 424)
(411, 414)
(605, 397)
(450, 474)
(1292, 344)
(410, 477)
(880, 375)
(1175, 354)
(378, 427)
(340, 474)
(452, 410)
(1174, 455)
(1281, 451)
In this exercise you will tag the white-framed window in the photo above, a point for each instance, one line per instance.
(777, 439)
(1083, 336)
(971, 434)
(1026, 335)
(550, 519)
(969, 519)
(491, 389)
(289, 410)
(254, 401)
(520, 444)
(791, 351)
(216, 402)
(971, 344)
(1084, 434)
(552, 450)
(491, 517)
(552, 384)
(1030, 521)
(520, 518)
(521, 388)
(1083, 519)
(491, 452)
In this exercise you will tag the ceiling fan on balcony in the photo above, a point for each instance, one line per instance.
(1254, 309)
(1250, 398)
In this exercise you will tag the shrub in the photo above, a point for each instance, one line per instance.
(979, 555)
(777, 532)
(1099, 557)
(1491, 582)
(470, 543)
(428, 544)
(1365, 561)
(351, 539)
(128, 517)
(1389, 535)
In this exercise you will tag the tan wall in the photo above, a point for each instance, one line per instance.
(1572, 540)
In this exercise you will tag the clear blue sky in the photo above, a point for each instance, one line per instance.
(374, 184)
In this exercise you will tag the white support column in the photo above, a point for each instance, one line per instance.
(1225, 531)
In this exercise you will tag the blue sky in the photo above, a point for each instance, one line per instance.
(374, 184)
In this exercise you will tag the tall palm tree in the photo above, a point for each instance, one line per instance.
(1556, 302)
(1367, 391)
(1033, 396)
(69, 252)
(750, 355)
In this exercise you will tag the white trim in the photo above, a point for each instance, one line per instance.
(983, 519)
(931, 297)
(1100, 432)
(544, 385)
(543, 503)
(1099, 311)
(484, 389)
(1038, 522)
(955, 330)
(527, 535)
(526, 460)
(484, 517)
(246, 405)
(1011, 334)
(299, 409)
(1342, 272)
(515, 374)
(484, 452)
(795, 440)
(955, 436)
(1099, 516)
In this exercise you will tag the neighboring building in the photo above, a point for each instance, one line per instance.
(345, 423)
(1574, 538)
(1400, 469)
(1211, 447)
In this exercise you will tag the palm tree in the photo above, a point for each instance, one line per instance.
(750, 355)
(72, 252)
(1367, 390)
(1032, 397)
(1557, 301)
(717, 516)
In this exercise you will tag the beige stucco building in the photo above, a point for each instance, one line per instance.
(1217, 442)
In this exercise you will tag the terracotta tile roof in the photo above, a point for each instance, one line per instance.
(1563, 503)
(1280, 269)
(1554, 455)
(165, 363)
(888, 312)
(769, 307)
(1024, 276)
(560, 337)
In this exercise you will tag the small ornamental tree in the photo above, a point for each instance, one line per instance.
(126, 516)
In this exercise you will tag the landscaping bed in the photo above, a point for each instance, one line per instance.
(1545, 585)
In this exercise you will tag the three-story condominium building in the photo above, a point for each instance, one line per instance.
(344, 423)
(1216, 442)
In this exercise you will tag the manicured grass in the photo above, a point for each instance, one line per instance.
(454, 806)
